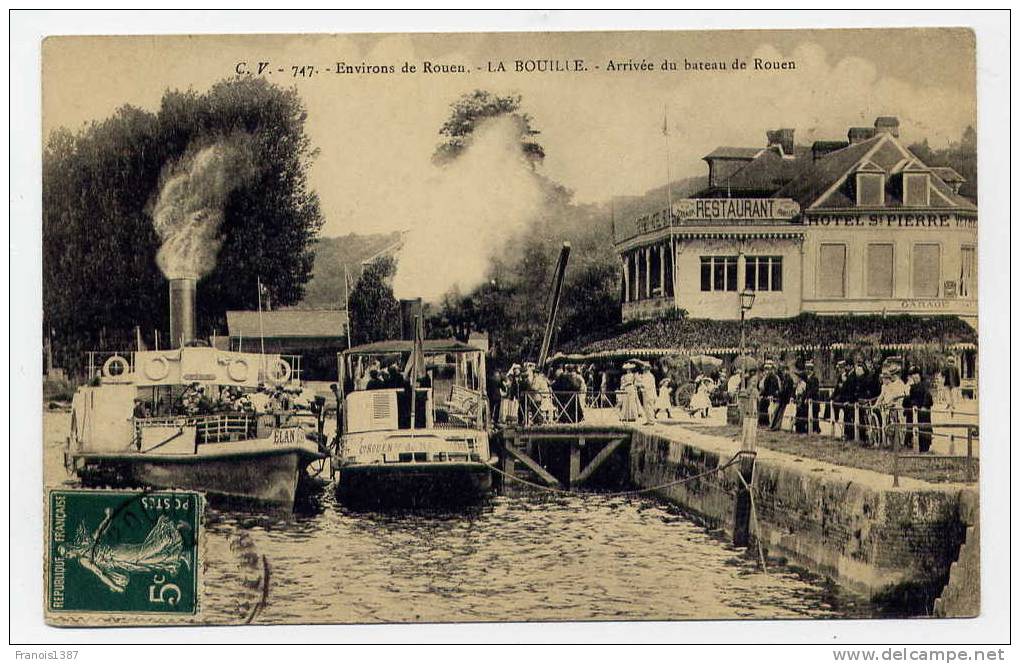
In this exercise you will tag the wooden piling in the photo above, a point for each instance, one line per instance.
(575, 461)
(742, 501)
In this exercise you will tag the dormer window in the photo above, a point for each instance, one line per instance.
(870, 188)
(916, 190)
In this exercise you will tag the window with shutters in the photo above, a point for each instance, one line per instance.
(915, 190)
(880, 270)
(832, 270)
(926, 266)
(870, 189)
(968, 271)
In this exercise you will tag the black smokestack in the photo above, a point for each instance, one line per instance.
(409, 312)
(182, 311)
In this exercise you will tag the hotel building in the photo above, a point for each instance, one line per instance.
(840, 227)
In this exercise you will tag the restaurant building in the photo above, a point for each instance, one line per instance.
(838, 227)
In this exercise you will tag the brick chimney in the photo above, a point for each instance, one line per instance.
(781, 137)
(859, 134)
(888, 124)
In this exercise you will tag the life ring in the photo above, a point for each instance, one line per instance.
(279, 371)
(157, 368)
(115, 367)
(238, 370)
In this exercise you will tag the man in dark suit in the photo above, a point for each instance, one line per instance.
(375, 382)
(807, 401)
(768, 390)
(786, 388)
(846, 394)
(918, 402)
(952, 381)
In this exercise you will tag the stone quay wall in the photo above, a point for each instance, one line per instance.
(851, 525)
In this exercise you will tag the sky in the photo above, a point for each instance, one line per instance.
(602, 130)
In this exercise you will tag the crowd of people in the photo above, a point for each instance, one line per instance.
(377, 377)
(890, 392)
(785, 396)
(198, 399)
(526, 394)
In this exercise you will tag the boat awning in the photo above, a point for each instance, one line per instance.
(655, 353)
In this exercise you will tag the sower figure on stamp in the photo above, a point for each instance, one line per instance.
(162, 550)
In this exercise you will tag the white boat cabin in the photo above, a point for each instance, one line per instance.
(390, 416)
(172, 401)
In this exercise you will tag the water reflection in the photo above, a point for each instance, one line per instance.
(515, 558)
(525, 557)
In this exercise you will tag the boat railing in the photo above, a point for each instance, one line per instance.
(215, 428)
(551, 407)
(224, 428)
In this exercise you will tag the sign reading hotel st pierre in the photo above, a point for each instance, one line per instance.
(691, 211)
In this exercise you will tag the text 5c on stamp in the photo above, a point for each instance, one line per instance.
(123, 551)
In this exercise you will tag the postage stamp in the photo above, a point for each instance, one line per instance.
(123, 552)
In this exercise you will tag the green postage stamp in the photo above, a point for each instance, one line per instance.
(123, 552)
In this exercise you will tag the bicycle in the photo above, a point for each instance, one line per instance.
(886, 419)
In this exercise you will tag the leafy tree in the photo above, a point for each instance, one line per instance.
(593, 300)
(960, 155)
(472, 108)
(373, 310)
(338, 259)
(513, 305)
(100, 277)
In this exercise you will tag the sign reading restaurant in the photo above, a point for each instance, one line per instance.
(695, 211)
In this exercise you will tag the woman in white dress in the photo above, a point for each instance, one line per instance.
(663, 400)
(701, 401)
(629, 406)
(510, 393)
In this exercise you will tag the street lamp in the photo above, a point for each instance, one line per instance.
(746, 302)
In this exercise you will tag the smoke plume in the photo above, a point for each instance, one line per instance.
(469, 209)
(188, 211)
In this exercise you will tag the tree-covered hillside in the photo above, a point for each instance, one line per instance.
(325, 290)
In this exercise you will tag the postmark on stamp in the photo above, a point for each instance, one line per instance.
(123, 552)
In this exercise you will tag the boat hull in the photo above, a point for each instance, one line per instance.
(414, 484)
(269, 478)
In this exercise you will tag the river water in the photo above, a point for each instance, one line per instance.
(517, 557)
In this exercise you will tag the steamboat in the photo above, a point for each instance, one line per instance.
(414, 429)
(234, 425)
